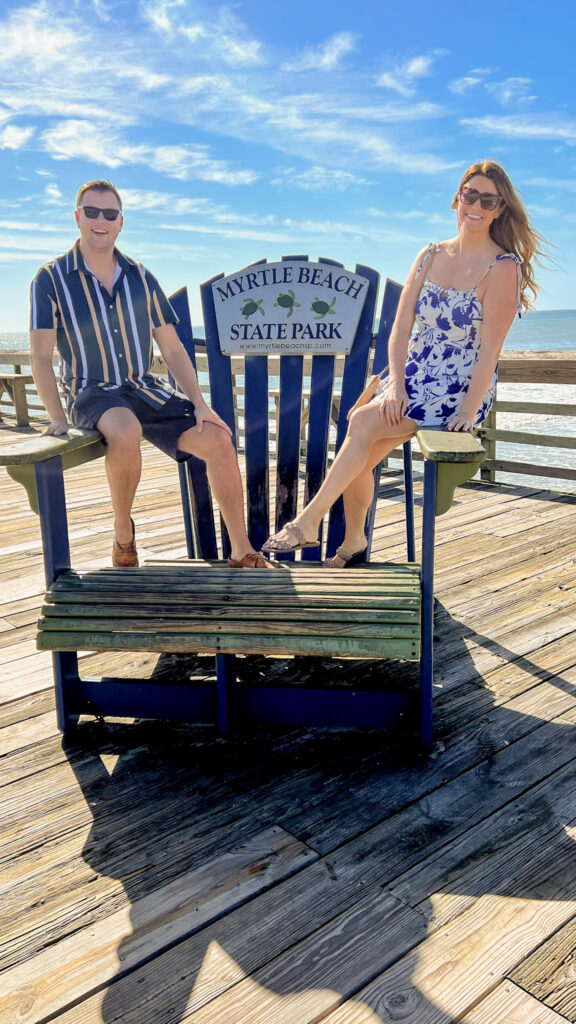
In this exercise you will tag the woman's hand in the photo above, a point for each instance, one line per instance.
(393, 404)
(460, 422)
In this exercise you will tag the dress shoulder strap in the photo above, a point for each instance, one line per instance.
(431, 248)
(518, 262)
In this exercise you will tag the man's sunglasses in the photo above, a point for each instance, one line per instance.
(488, 201)
(93, 212)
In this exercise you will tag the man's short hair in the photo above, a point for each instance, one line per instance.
(97, 186)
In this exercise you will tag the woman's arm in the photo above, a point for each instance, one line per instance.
(499, 307)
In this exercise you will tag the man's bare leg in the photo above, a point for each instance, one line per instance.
(213, 445)
(122, 433)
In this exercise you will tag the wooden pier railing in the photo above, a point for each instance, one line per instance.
(555, 370)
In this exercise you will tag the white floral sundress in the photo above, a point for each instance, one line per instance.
(444, 350)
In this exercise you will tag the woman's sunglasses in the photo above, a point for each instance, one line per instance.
(93, 212)
(488, 201)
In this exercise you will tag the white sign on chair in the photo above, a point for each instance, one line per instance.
(294, 307)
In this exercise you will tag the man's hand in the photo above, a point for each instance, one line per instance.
(204, 414)
(56, 428)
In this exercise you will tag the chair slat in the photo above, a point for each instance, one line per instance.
(288, 441)
(353, 380)
(256, 430)
(321, 387)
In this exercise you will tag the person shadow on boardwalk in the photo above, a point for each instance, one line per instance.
(427, 879)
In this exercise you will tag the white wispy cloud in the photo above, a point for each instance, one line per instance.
(53, 195)
(36, 256)
(35, 99)
(291, 231)
(24, 225)
(225, 231)
(560, 184)
(317, 179)
(159, 13)
(237, 46)
(143, 77)
(13, 137)
(226, 35)
(34, 34)
(512, 91)
(139, 199)
(100, 144)
(464, 84)
(404, 76)
(103, 10)
(476, 76)
(520, 127)
(50, 244)
(326, 57)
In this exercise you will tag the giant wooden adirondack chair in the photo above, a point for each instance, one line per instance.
(377, 611)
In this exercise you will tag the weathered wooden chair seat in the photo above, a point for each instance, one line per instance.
(367, 612)
(378, 611)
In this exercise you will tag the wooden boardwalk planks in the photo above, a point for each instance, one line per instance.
(153, 874)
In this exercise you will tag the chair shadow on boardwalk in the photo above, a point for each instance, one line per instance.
(478, 824)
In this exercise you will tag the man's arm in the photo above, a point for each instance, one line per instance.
(180, 366)
(42, 344)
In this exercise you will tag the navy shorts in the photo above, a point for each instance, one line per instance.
(161, 425)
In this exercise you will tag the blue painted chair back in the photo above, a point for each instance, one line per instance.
(275, 462)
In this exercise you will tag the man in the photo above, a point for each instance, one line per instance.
(102, 310)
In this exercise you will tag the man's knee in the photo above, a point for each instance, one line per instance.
(120, 426)
(210, 442)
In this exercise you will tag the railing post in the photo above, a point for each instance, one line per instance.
(490, 446)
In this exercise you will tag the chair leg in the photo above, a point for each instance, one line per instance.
(225, 679)
(53, 518)
(427, 654)
(409, 501)
(66, 678)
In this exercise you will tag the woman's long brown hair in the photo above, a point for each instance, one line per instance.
(512, 230)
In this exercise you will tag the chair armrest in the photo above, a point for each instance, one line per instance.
(74, 448)
(450, 446)
(40, 448)
(457, 455)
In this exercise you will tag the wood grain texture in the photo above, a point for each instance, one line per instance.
(438, 888)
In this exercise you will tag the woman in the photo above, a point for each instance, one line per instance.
(464, 294)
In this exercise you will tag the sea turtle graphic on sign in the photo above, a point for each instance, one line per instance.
(251, 306)
(322, 309)
(287, 300)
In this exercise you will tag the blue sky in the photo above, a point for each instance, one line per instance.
(261, 129)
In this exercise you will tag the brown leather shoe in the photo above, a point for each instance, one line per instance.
(125, 556)
(253, 560)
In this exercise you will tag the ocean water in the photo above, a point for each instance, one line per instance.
(550, 330)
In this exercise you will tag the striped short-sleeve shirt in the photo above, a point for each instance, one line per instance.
(104, 340)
